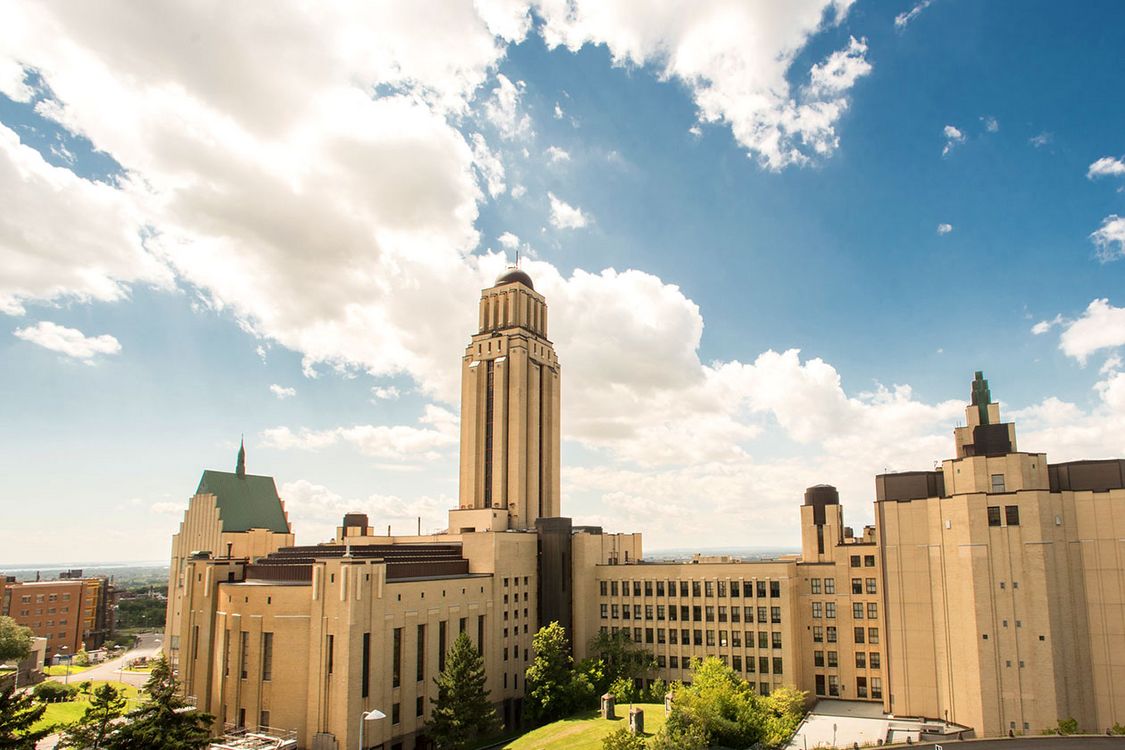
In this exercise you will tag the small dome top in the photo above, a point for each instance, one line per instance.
(512, 275)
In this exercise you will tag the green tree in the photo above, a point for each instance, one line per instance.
(678, 733)
(623, 659)
(18, 712)
(785, 707)
(462, 712)
(106, 704)
(554, 688)
(622, 739)
(721, 704)
(165, 721)
(15, 640)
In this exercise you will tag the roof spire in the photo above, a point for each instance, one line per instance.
(981, 396)
(240, 467)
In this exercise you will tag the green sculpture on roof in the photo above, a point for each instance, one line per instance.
(982, 397)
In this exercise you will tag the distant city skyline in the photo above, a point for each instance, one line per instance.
(774, 246)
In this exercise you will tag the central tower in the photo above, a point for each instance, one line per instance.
(510, 407)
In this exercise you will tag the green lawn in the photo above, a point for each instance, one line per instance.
(59, 670)
(70, 711)
(585, 731)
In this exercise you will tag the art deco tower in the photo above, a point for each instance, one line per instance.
(510, 406)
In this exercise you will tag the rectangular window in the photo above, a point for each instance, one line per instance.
(723, 642)
(833, 685)
(674, 662)
(818, 658)
(820, 684)
(683, 588)
(660, 635)
(648, 588)
(860, 660)
(818, 634)
(396, 659)
(613, 587)
(330, 649)
(994, 515)
(830, 610)
(660, 611)
(660, 588)
(365, 666)
(873, 635)
(763, 664)
(605, 611)
(419, 706)
(760, 586)
(604, 586)
(861, 687)
(648, 611)
(775, 640)
(695, 588)
(747, 589)
(777, 669)
(871, 585)
(673, 636)
(710, 612)
(855, 561)
(872, 611)
(1012, 515)
(775, 589)
(997, 482)
(833, 659)
(722, 614)
(857, 585)
(830, 585)
(636, 588)
(648, 635)
(441, 637)
(762, 614)
(697, 637)
(875, 660)
(876, 687)
(420, 658)
(697, 614)
(709, 588)
(736, 663)
(763, 639)
(736, 614)
(396, 712)
(226, 652)
(815, 582)
(244, 654)
(749, 612)
(859, 635)
(831, 634)
(722, 588)
(857, 610)
(869, 561)
(736, 638)
(685, 636)
(710, 637)
(672, 611)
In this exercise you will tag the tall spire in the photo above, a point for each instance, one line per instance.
(240, 467)
(981, 395)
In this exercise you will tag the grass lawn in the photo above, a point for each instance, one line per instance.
(70, 711)
(584, 731)
(59, 670)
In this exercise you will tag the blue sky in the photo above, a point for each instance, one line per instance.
(775, 245)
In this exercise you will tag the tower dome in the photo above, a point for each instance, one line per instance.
(512, 275)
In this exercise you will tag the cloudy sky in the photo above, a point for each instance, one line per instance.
(776, 240)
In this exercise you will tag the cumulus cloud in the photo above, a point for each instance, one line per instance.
(991, 124)
(1110, 238)
(282, 392)
(316, 511)
(508, 241)
(68, 341)
(556, 154)
(944, 228)
(1101, 326)
(385, 392)
(1044, 326)
(1107, 166)
(953, 138)
(566, 216)
(1067, 432)
(504, 111)
(394, 442)
(737, 60)
(902, 20)
(489, 166)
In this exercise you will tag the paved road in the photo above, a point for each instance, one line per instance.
(148, 645)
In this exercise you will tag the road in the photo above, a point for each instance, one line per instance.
(148, 645)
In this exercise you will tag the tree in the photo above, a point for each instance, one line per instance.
(721, 704)
(622, 739)
(785, 707)
(15, 640)
(679, 734)
(18, 712)
(554, 688)
(623, 658)
(462, 711)
(165, 722)
(106, 704)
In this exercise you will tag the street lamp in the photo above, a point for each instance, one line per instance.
(66, 680)
(372, 715)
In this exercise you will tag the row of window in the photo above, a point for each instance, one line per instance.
(764, 664)
(748, 589)
(830, 685)
(1011, 515)
(698, 637)
(828, 610)
(820, 634)
(39, 598)
(688, 613)
(862, 659)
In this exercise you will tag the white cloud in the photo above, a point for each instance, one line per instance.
(385, 392)
(736, 58)
(509, 241)
(1107, 166)
(944, 228)
(1041, 140)
(316, 511)
(518, 191)
(69, 341)
(566, 216)
(953, 137)
(1101, 326)
(168, 508)
(1066, 432)
(489, 166)
(991, 124)
(556, 154)
(902, 20)
(1044, 326)
(394, 442)
(559, 114)
(504, 112)
(696, 131)
(282, 392)
(1110, 238)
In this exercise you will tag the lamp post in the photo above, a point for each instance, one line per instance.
(64, 655)
(372, 715)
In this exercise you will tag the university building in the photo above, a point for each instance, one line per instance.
(73, 613)
(988, 593)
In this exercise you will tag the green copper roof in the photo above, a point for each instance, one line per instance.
(245, 502)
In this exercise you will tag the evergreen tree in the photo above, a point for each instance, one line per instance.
(15, 640)
(106, 704)
(18, 712)
(462, 711)
(165, 722)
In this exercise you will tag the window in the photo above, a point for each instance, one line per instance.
(674, 662)
(710, 637)
(648, 635)
(636, 588)
(365, 666)
(994, 515)
(747, 589)
(871, 586)
(775, 615)
(817, 610)
(736, 638)
(869, 561)
(330, 643)
(873, 635)
(612, 587)
(763, 639)
(419, 706)
(625, 612)
(685, 636)
(861, 687)
(997, 482)
(695, 588)
(396, 659)
(683, 588)
(441, 638)
(697, 637)
(818, 634)
(696, 614)
(857, 610)
(775, 640)
(874, 659)
(244, 653)
(764, 664)
(734, 589)
(820, 684)
(648, 588)
(830, 585)
(777, 665)
(830, 610)
(672, 611)
(855, 564)
(709, 588)
(605, 611)
(762, 614)
(815, 585)
(660, 635)
(722, 588)
(818, 658)
(775, 589)
(660, 588)
(604, 588)
(648, 611)
(615, 611)
(1012, 515)
(861, 660)
(660, 611)
(859, 634)
(749, 613)
(872, 611)
(710, 613)
(672, 636)
(833, 659)
(267, 655)
(736, 663)
(833, 685)
(876, 687)
(396, 714)
(420, 663)
(761, 588)
(831, 635)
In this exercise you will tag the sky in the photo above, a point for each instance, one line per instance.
(775, 239)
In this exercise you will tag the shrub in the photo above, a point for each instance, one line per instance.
(1068, 726)
(622, 739)
(53, 692)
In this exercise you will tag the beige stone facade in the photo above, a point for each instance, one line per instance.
(988, 593)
